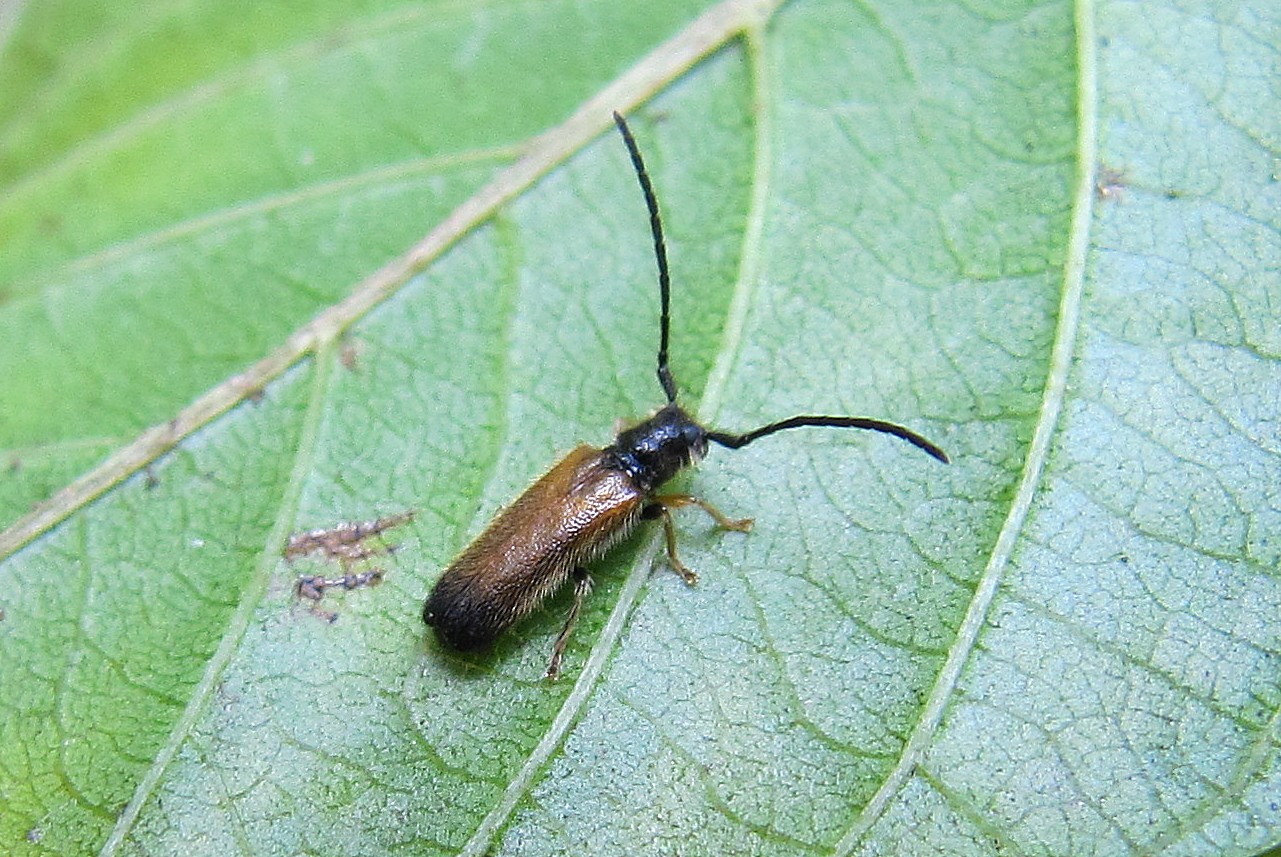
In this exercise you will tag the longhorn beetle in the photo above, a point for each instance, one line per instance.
(594, 498)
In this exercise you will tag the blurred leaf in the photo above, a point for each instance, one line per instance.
(1051, 249)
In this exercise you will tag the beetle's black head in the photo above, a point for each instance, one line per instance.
(655, 450)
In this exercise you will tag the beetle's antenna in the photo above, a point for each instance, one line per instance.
(660, 253)
(736, 441)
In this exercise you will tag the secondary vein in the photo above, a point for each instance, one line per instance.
(250, 600)
(922, 736)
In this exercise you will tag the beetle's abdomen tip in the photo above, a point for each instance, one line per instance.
(457, 626)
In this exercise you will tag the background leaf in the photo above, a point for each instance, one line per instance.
(1044, 236)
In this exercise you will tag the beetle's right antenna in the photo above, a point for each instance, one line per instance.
(738, 441)
(660, 252)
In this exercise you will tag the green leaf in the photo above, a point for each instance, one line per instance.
(1044, 236)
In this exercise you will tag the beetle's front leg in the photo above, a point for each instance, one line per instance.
(659, 509)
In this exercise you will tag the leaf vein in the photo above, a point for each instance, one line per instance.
(1038, 452)
(251, 599)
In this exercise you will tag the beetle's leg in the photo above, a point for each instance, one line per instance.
(582, 586)
(659, 509)
(675, 501)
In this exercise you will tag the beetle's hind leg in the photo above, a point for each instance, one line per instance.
(659, 509)
(582, 587)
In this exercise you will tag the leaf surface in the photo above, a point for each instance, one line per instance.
(1045, 236)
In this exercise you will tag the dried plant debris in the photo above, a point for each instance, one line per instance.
(345, 542)
(348, 544)
(312, 586)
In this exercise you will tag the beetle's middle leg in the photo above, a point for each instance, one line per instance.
(659, 509)
(582, 588)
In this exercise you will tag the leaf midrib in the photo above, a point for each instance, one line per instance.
(544, 152)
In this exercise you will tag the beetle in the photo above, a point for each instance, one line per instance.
(593, 498)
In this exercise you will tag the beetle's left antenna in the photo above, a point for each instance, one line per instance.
(660, 252)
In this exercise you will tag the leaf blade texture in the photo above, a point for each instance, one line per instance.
(1044, 235)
